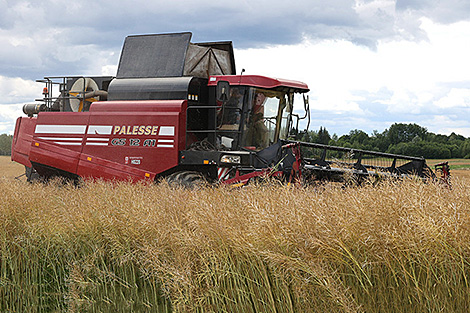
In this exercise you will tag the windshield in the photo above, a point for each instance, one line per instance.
(267, 119)
(253, 118)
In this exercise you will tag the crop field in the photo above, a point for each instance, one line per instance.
(395, 246)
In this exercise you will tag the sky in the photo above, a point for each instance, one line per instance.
(368, 63)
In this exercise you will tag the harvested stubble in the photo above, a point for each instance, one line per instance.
(396, 247)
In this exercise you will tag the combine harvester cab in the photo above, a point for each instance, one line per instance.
(177, 110)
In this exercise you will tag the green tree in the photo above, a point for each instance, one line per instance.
(465, 152)
(5, 144)
(358, 136)
(323, 136)
(405, 139)
(399, 132)
(424, 149)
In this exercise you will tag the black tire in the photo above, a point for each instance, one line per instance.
(33, 176)
(187, 179)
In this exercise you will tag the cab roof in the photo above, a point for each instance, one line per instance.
(258, 81)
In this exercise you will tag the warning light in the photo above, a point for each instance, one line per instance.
(45, 91)
(147, 175)
(88, 158)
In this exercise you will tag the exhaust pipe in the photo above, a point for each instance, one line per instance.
(33, 108)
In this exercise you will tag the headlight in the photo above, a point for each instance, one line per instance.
(227, 158)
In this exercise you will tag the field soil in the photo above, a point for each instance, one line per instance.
(458, 167)
(10, 169)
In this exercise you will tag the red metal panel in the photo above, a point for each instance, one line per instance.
(58, 138)
(95, 167)
(116, 139)
(22, 139)
(54, 156)
(133, 139)
(258, 81)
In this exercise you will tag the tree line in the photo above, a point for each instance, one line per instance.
(405, 139)
(5, 144)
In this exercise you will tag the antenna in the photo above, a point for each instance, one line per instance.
(240, 80)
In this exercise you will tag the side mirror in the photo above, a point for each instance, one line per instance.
(307, 110)
(223, 90)
(294, 126)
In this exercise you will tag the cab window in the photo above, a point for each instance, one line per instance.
(267, 119)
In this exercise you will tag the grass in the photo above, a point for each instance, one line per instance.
(9, 168)
(397, 247)
(120, 247)
(455, 164)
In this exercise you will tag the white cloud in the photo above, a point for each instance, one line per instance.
(14, 90)
(446, 124)
(457, 97)
(371, 62)
(109, 70)
(15, 93)
(404, 80)
(8, 116)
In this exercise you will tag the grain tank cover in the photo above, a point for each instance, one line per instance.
(173, 55)
(148, 56)
(207, 59)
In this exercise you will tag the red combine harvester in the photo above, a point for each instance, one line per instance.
(176, 110)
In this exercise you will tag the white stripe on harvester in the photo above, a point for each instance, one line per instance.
(167, 131)
(98, 139)
(96, 144)
(68, 143)
(99, 129)
(60, 129)
(222, 172)
(61, 138)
